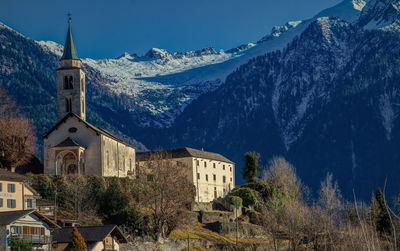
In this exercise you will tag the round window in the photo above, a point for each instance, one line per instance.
(72, 130)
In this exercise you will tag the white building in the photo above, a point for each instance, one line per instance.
(28, 225)
(212, 174)
(73, 145)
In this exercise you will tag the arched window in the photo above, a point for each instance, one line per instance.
(65, 82)
(68, 105)
(130, 165)
(82, 85)
(70, 82)
(83, 106)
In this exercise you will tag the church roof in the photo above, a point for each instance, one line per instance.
(97, 130)
(69, 47)
(68, 142)
(182, 153)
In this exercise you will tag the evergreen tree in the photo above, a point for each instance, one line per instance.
(381, 214)
(77, 242)
(251, 166)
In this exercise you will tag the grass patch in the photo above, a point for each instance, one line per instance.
(199, 232)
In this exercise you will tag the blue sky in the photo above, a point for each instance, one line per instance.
(107, 28)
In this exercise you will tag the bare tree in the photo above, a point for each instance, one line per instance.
(284, 214)
(282, 174)
(17, 137)
(75, 195)
(165, 189)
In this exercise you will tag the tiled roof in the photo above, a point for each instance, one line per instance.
(89, 233)
(88, 125)
(9, 217)
(182, 153)
(11, 176)
(68, 142)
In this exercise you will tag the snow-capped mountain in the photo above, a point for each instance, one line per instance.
(381, 14)
(329, 102)
(162, 84)
(322, 92)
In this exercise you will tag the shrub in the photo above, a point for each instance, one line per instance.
(113, 203)
(46, 187)
(235, 201)
(247, 195)
(17, 245)
(132, 219)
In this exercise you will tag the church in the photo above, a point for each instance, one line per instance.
(74, 146)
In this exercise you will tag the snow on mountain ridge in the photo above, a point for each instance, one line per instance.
(381, 14)
(153, 79)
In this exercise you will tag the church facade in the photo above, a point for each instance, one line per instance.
(74, 146)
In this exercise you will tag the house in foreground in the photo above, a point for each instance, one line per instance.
(29, 225)
(97, 238)
(15, 192)
(212, 174)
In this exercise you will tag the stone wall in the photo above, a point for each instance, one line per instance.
(213, 216)
(198, 206)
(177, 245)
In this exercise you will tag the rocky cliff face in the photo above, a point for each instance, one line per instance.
(328, 102)
(322, 92)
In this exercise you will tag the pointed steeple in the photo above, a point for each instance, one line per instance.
(69, 46)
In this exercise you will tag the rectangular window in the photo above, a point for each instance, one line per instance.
(1, 187)
(29, 203)
(197, 162)
(223, 167)
(231, 179)
(11, 203)
(205, 164)
(214, 177)
(230, 168)
(11, 188)
(1, 202)
(223, 179)
(198, 176)
(206, 177)
(215, 192)
(214, 165)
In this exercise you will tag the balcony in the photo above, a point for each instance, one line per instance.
(32, 238)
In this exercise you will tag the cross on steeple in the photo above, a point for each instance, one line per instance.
(69, 17)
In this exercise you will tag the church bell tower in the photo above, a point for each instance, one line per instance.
(71, 81)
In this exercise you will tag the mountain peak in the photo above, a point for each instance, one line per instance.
(277, 31)
(155, 53)
(358, 4)
(380, 14)
(201, 52)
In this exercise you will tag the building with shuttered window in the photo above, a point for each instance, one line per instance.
(28, 225)
(15, 192)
